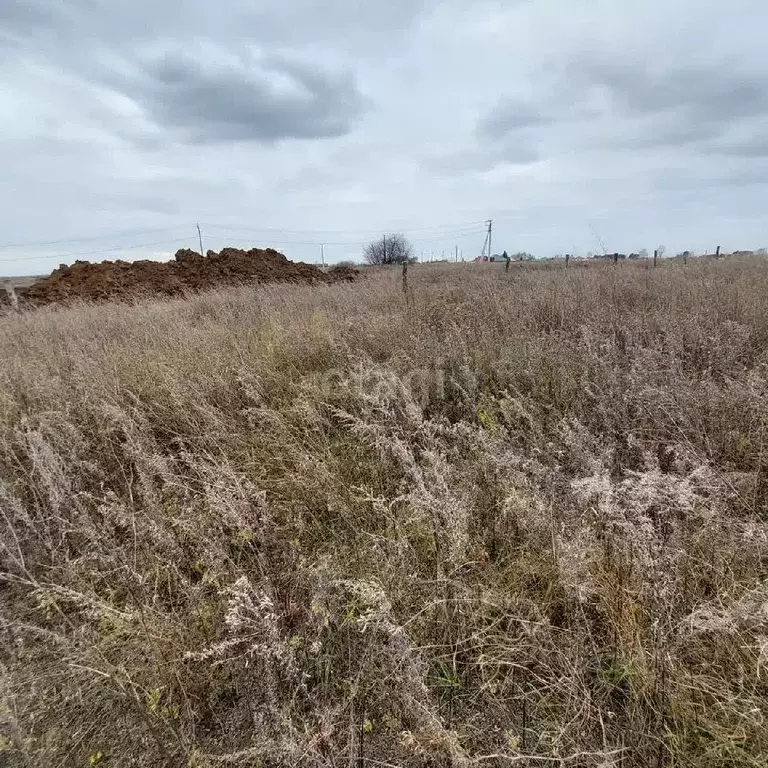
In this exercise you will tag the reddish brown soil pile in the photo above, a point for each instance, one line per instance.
(189, 271)
(342, 273)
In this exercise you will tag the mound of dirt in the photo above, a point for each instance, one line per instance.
(188, 272)
(342, 272)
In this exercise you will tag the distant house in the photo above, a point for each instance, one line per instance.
(502, 257)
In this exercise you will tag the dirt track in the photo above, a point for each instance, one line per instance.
(188, 272)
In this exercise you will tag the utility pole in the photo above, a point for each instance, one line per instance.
(457, 254)
(322, 254)
(200, 237)
(490, 238)
(384, 261)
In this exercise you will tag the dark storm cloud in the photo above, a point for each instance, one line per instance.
(218, 97)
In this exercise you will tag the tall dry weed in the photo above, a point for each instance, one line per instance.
(517, 519)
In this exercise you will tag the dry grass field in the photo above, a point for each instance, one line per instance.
(513, 520)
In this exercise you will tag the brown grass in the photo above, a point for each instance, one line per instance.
(511, 520)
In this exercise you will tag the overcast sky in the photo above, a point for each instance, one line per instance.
(299, 122)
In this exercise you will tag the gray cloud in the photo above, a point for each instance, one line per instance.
(234, 82)
(220, 97)
(658, 132)
(347, 23)
(510, 115)
(753, 146)
(694, 181)
(483, 159)
(598, 101)
(19, 17)
(712, 92)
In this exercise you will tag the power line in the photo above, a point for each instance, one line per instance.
(449, 230)
(88, 239)
(449, 235)
(360, 243)
(454, 233)
(473, 224)
(288, 242)
(118, 249)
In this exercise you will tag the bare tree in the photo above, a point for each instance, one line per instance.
(389, 249)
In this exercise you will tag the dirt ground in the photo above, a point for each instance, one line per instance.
(188, 272)
(8, 287)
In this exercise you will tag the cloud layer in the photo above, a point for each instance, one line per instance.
(301, 123)
(216, 97)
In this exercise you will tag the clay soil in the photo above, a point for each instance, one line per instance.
(189, 272)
